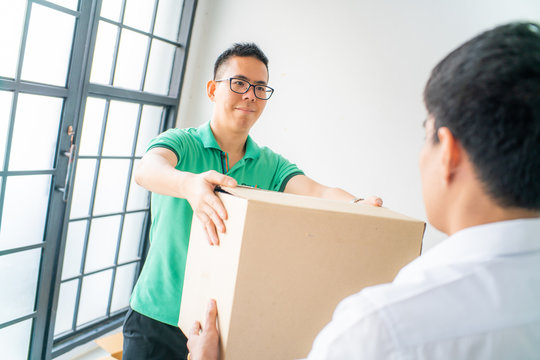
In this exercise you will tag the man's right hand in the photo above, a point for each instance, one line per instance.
(157, 172)
(199, 190)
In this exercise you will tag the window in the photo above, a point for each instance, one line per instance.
(84, 85)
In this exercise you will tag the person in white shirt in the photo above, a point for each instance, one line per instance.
(477, 294)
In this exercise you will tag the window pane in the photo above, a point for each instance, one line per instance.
(138, 14)
(74, 247)
(5, 112)
(168, 19)
(18, 281)
(111, 186)
(130, 63)
(70, 4)
(25, 209)
(123, 285)
(139, 197)
(149, 127)
(120, 131)
(48, 46)
(131, 237)
(111, 9)
(102, 243)
(35, 134)
(66, 306)
(92, 126)
(94, 297)
(104, 53)
(158, 76)
(11, 26)
(15, 340)
(82, 188)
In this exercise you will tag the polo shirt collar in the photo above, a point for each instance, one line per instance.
(207, 136)
(209, 141)
(252, 149)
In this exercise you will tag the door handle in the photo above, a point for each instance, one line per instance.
(70, 154)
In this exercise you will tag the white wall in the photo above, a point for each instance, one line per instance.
(349, 76)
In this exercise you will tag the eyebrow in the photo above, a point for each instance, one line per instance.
(260, 82)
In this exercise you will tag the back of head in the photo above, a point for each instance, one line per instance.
(487, 92)
(243, 50)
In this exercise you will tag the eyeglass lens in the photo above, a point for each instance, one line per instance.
(241, 87)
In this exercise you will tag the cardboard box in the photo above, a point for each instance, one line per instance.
(113, 344)
(284, 264)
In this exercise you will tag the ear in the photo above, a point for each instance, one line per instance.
(211, 89)
(451, 153)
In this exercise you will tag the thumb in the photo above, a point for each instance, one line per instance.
(211, 315)
(219, 179)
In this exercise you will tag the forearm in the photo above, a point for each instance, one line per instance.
(155, 174)
(303, 185)
(335, 194)
(339, 194)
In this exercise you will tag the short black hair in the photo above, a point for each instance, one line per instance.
(243, 50)
(487, 93)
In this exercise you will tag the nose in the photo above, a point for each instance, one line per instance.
(250, 94)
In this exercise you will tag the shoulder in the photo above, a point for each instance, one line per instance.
(357, 330)
(176, 138)
(267, 153)
(173, 133)
(377, 322)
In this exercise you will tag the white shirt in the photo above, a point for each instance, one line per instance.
(474, 296)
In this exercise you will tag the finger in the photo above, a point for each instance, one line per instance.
(218, 222)
(195, 329)
(211, 231)
(211, 315)
(217, 206)
(373, 200)
(206, 222)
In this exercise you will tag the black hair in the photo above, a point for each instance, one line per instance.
(487, 93)
(243, 50)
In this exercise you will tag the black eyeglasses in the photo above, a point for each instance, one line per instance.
(241, 86)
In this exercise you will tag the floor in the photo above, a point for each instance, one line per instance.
(89, 351)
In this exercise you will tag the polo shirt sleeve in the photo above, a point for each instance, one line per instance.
(285, 171)
(172, 139)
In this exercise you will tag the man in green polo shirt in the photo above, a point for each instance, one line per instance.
(181, 168)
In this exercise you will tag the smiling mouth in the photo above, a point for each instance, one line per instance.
(245, 109)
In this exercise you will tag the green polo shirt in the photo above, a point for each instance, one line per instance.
(158, 291)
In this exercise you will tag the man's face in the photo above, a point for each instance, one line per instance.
(239, 112)
(431, 176)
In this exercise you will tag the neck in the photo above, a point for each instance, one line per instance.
(229, 141)
(481, 209)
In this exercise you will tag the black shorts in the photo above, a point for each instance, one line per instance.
(149, 339)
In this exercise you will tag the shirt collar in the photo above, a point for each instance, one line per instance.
(207, 136)
(483, 242)
(252, 149)
(209, 141)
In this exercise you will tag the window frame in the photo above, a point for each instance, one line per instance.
(78, 88)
